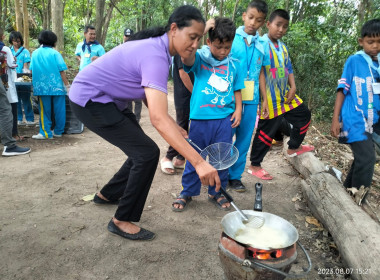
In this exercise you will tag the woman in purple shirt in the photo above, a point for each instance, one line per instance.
(138, 69)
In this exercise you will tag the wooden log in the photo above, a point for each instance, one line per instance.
(353, 230)
(356, 235)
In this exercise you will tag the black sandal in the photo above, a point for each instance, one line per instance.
(179, 201)
(220, 203)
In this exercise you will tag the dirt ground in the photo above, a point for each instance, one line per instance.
(48, 232)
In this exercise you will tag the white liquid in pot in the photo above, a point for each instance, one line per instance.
(262, 237)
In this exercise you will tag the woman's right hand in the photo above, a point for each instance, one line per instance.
(208, 175)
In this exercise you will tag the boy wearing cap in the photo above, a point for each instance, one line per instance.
(127, 34)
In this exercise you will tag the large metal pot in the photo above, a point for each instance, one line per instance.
(286, 236)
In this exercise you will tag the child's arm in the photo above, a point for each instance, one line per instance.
(186, 80)
(236, 116)
(262, 87)
(292, 91)
(335, 127)
(210, 24)
(65, 81)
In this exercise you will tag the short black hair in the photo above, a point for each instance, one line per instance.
(371, 28)
(87, 27)
(224, 30)
(279, 13)
(15, 35)
(260, 5)
(47, 38)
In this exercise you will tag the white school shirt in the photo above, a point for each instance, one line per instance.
(12, 76)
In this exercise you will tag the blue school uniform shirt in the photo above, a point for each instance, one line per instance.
(207, 103)
(96, 50)
(46, 65)
(251, 59)
(360, 109)
(22, 56)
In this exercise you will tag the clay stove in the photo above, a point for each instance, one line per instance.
(237, 260)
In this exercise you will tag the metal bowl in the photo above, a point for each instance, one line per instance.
(279, 232)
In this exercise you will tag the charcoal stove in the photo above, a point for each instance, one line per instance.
(258, 261)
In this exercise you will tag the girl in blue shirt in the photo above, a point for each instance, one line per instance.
(22, 56)
(49, 83)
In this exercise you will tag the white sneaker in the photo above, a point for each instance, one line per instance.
(57, 135)
(20, 123)
(30, 123)
(39, 136)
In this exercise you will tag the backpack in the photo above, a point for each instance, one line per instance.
(3, 68)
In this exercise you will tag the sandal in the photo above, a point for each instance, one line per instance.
(261, 174)
(181, 200)
(167, 165)
(220, 203)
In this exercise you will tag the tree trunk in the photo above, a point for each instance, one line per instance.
(103, 18)
(353, 230)
(46, 14)
(99, 20)
(44, 25)
(107, 20)
(221, 8)
(234, 12)
(362, 12)
(1, 14)
(5, 12)
(88, 13)
(18, 13)
(57, 22)
(26, 23)
(206, 17)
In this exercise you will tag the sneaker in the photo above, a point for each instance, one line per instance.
(30, 122)
(57, 135)
(237, 185)
(20, 123)
(15, 151)
(39, 136)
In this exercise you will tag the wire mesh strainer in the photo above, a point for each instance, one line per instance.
(219, 155)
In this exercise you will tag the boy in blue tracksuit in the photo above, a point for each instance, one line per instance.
(356, 118)
(215, 105)
(249, 48)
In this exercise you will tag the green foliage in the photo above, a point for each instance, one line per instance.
(322, 34)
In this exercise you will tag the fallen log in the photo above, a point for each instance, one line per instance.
(355, 233)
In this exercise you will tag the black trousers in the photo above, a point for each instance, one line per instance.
(182, 119)
(362, 168)
(132, 182)
(299, 120)
(14, 113)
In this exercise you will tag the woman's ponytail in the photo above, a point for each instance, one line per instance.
(182, 16)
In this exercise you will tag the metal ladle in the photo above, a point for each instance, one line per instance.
(252, 221)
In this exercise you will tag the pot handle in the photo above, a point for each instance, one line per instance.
(293, 276)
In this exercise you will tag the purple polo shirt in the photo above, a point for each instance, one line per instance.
(121, 74)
